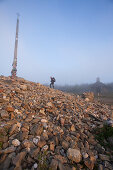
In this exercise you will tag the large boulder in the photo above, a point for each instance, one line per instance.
(4, 114)
(74, 155)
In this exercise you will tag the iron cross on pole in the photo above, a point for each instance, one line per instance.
(14, 69)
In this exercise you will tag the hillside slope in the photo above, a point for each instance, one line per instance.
(43, 128)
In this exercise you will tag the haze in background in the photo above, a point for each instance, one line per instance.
(71, 40)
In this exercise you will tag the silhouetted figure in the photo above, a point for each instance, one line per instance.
(52, 82)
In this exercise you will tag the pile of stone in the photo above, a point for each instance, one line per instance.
(43, 128)
(88, 96)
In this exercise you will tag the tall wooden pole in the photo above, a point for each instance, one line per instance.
(14, 69)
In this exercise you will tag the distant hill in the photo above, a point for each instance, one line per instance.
(95, 87)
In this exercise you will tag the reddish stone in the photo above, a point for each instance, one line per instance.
(89, 163)
(61, 158)
(12, 116)
(1, 90)
(41, 143)
(52, 146)
(62, 121)
(10, 109)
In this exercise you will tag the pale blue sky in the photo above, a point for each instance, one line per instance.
(69, 39)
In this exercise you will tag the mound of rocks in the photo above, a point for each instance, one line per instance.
(43, 128)
(88, 96)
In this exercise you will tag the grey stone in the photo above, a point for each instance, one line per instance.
(74, 155)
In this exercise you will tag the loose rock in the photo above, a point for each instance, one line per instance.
(43, 126)
(74, 155)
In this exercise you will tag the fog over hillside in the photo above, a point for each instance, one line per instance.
(79, 89)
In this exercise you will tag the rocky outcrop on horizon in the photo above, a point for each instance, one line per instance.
(43, 128)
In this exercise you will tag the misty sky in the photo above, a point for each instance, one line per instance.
(69, 39)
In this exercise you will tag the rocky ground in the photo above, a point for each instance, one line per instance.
(43, 128)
